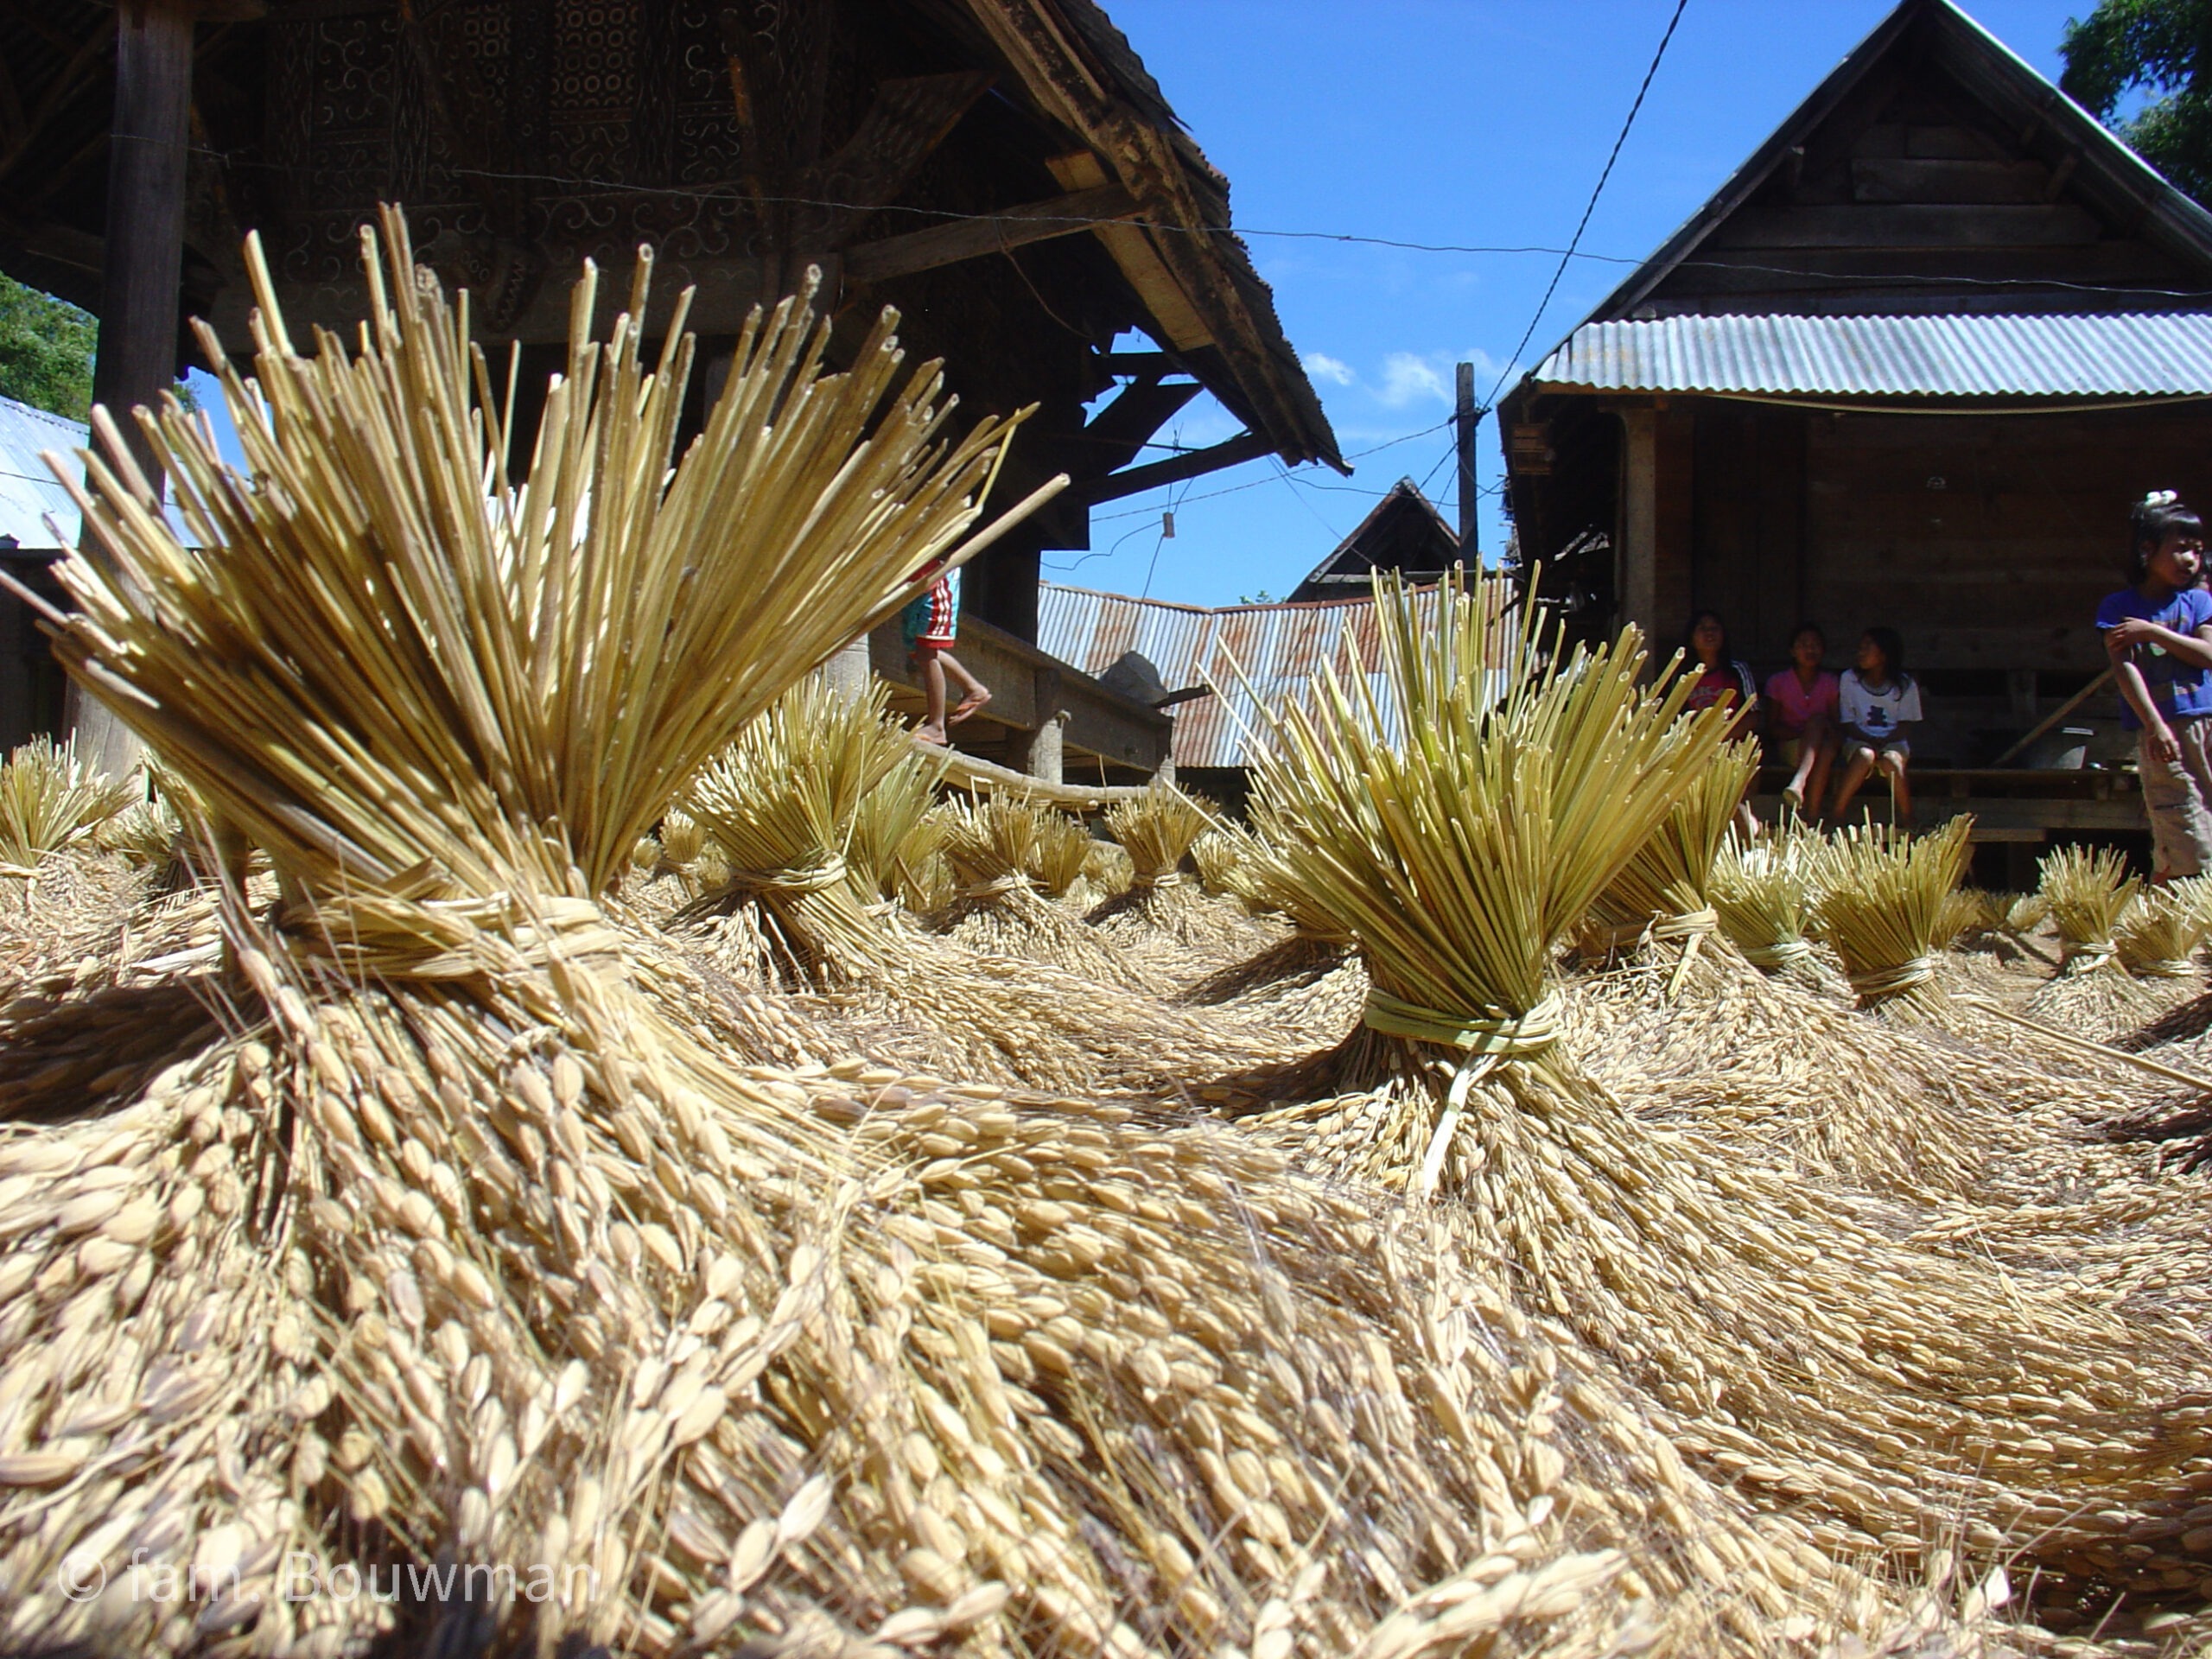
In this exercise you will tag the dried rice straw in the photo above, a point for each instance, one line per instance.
(1862, 1385)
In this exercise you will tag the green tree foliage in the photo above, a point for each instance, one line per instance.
(2162, 49)
(46, 350)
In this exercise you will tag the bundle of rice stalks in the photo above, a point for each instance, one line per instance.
(1161, 904)
(681, 841)
(2086, 890)
(1107, 870)
(50, 800)
(482, 1245)
(2089, 890)
(1660, 898)
(1762, 892)
(2023, 912)
(1861, 1387)
(995, 845)
(477, 1158)
(1883, 905)
(1063, 846)
(1310, 984)
(782, 801)
(2162, 930)
(1221, 857)
(926, 880)
(145, 833)
(795, 917)
(893, 829)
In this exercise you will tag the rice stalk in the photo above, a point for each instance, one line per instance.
(50, 800)
(1884, 904)
(996, 845)
(1762, 892)
(1861, 1385)
(1161, 904)
(409, 684)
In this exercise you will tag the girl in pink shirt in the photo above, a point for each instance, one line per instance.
(1801, 718)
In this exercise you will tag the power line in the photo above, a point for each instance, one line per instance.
(1254, 483)
(1350, 238)
(1590, 206)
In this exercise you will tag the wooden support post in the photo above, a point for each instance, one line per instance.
(1045, 749)
(1465, 417)
(847, 672)
(143, 257)
(142, 268)
(1638, 585)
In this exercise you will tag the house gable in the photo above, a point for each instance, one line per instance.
(1933, 171)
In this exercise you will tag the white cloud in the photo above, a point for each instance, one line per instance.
(1407, 378)
(1336, 371)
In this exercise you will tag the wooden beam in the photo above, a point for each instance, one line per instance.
(1121, 430)
(1246, 446)
(972, 238)
(1140, 261)
(1141, 363)
(910, 118)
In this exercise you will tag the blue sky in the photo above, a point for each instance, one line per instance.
(1480, 122)
(1469, 122)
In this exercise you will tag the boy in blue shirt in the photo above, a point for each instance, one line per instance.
(2158, 634)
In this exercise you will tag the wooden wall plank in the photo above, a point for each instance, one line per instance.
(1911, 225)
(1903, 180)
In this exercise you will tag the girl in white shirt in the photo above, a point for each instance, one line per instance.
(1876, 702)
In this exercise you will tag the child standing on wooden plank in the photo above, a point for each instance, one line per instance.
(1875, 702)
(931, 625)
(2158, 634)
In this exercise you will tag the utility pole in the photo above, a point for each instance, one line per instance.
(1464, 418)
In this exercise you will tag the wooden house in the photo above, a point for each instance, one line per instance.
(1909, 366)
(1403, 532)
(1005, 172)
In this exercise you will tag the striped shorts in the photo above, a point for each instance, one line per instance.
(933, 621)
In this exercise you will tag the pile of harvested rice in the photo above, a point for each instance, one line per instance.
(418, 1202)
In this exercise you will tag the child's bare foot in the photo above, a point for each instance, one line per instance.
(926, 733)
(968, 704)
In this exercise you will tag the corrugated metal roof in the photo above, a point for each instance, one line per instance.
(2163, 355)
(1250, 654)
(29, 490)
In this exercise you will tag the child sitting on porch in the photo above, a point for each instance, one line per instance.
(2158, 634)
(1801, 718)
(1875, 702)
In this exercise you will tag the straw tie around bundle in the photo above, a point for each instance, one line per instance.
(1872, 985)
(1485, 1039)
(796, 883)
